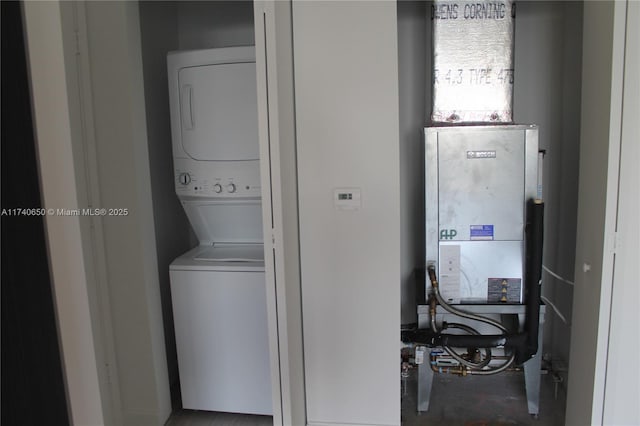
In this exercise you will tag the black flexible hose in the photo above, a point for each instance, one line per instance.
(533, 276)
(457, 357)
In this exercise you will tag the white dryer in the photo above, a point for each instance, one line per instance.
(218, 288)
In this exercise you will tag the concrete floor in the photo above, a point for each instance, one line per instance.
(482, 401)
(455, 401)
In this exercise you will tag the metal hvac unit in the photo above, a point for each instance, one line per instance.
(478, 181)
(483, 244)
(483, 216)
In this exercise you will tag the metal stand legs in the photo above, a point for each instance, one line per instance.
(531, 367)
(532, 373)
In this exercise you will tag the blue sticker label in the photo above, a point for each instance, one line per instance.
(481, 232)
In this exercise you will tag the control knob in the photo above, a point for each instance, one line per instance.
(231, 188)
(184, 178)
(217, 188)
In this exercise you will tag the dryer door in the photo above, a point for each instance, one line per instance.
(218, 111)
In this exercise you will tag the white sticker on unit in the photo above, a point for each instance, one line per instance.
(420, 355)
(346, 198)
(450, 272)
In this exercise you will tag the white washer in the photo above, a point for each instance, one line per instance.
(218, 288)
(221, 329)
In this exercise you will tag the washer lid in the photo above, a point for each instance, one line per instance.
(232, 253)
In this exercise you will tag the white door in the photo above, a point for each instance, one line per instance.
(346, 88)
(218, 112)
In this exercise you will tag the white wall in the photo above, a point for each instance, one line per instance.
(602, 88)
(346, 96)
(622, 387)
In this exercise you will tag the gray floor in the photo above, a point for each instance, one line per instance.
(482, 401)
(465, 401)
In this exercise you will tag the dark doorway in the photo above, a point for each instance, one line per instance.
(33, 391)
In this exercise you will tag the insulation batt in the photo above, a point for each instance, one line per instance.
(472, 61)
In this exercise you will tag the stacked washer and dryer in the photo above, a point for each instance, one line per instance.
(218, 288)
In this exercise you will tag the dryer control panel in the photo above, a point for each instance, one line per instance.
(217, 179)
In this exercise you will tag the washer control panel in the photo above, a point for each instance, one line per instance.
(220, 179)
